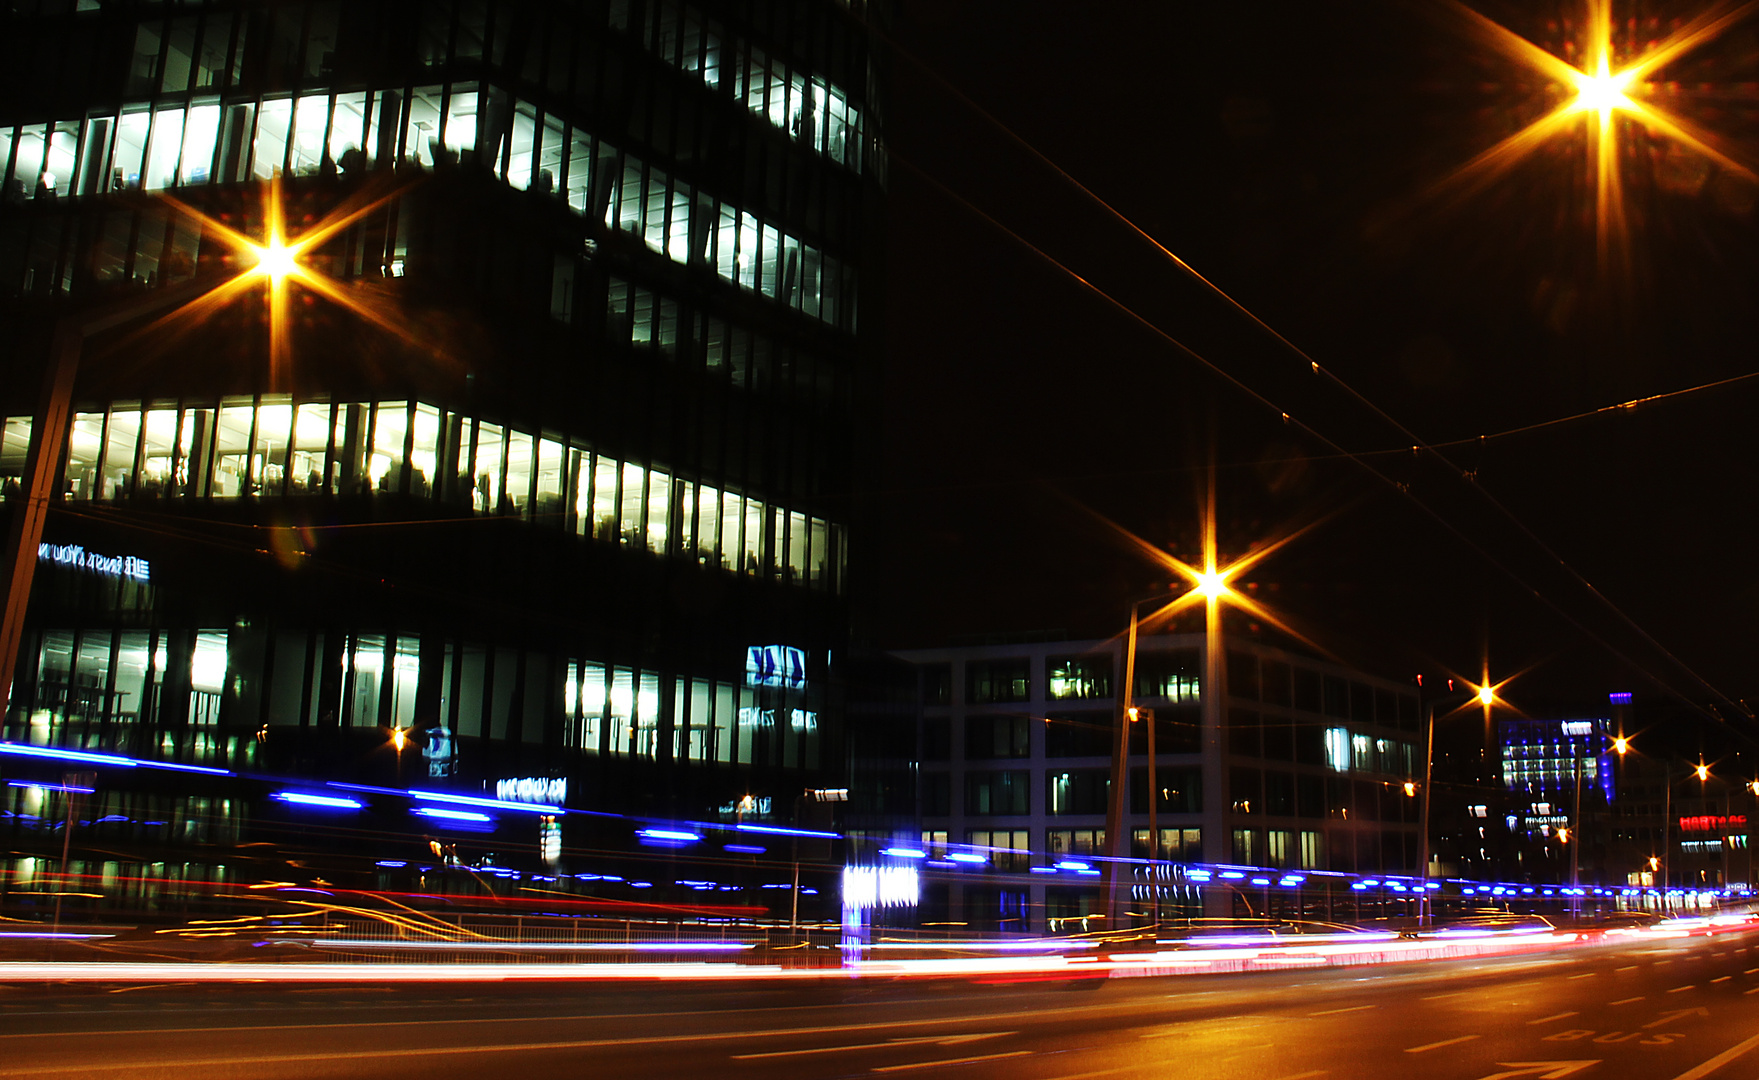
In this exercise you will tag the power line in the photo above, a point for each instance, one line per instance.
(1415, 442)
(1288, 418)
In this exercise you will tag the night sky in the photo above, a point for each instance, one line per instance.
(1291, 153)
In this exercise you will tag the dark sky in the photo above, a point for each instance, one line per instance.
(1290, 152)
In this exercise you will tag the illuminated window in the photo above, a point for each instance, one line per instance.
(1337, 749)
(1078, 677)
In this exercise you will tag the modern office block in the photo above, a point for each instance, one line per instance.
(541, 469)
(1307, 770)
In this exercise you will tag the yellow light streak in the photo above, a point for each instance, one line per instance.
(1606, 98)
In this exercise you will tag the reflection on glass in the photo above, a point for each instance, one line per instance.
(120, 440)
(274, 122)
(82, 454)
(487, 468)
(268, 474)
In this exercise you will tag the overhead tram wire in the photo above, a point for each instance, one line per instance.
(1359, 459)
(1468, 440)
(1416, 443)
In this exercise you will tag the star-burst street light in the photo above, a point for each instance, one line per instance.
(1606, 95)
(1209, 585)
(278, 261)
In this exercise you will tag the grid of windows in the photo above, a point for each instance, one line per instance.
(1078, 677)
(998, 681)
(1175, 676)
(1060, 842)
(272, 446)
(151, 148)
(811, 110)
(99, 689)
(1008, 848)
(1176, 845)
(998, 793)
(1545, 755)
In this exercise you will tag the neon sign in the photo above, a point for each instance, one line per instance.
(775, 665)
(551, 790)
(866, 887)
(1712, 823)
(75, 555)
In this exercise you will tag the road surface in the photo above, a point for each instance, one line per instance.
(1675, 1009)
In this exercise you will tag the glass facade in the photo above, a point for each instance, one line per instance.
(1550, 757)
(268, 446)
(629, 242)
(1284, 783)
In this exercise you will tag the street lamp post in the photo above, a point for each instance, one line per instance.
(1484, 696)
(1702, 772)
(1575, 842)
(1115, 806)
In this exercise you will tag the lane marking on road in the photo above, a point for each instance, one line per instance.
(976, 1018)
(1449, 994)
(917, 1040)
(1626, 1001)
(1659, 963)
(950, 1061)
(1549, 1019)
(411, 1052)
(1442, 1043)
(1541, 1070)
(1631, 967)
(1755, 990)
(1307, 1075)
(1098, 1072)
(1724, 978)
(1749, 971)
(1353, 1008)
(1717, 1062)
(1677, 989)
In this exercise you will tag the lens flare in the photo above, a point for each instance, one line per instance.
(1608, 98)
(1212, 584)
(278, 261)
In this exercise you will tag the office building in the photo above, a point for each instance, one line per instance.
(540, 471)
(1309, 767)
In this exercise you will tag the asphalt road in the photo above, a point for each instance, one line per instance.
(1679, 1009)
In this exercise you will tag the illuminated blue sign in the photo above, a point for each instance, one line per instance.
(775, 665)
(76, 556)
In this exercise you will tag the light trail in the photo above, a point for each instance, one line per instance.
(1271, 956)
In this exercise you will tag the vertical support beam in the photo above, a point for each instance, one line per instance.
(1666, 834)
(1423, 915)
(1114, 808)
(1212, 696)
(1576, 843)
(42, 465)
(1153, 820)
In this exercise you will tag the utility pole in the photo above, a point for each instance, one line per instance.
(1423, 918)
(1576, 844)
(1147, 717)
(1114, 809)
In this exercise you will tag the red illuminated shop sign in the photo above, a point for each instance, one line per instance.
(1713, 823)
